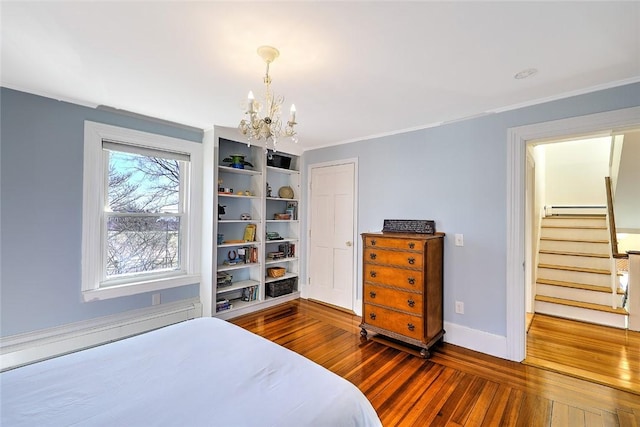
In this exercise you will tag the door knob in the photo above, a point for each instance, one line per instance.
(349, 243)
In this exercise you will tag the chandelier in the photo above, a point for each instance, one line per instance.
(268, 126)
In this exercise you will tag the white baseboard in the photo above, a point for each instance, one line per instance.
(357, 309)
(22, 349)
(473, 339)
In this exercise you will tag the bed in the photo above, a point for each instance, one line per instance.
(202, 372)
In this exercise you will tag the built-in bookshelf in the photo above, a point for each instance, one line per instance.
(257, 228)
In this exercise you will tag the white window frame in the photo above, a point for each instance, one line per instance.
(93, 210)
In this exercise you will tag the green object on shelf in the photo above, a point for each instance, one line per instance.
(237, 161)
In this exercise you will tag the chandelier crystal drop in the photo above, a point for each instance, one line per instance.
(268, 126)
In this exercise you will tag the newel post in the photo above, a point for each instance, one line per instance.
(634, 290)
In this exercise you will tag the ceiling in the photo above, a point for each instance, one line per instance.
(353, 69)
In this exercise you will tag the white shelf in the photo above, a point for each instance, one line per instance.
(275, 279)
(238, 304)
(238, 266)
(238, 196)
(233, 245)
(231, 221)
(281, 240)
(281, 199)
(281, 170)
(237, 286)
(283, 220)
(229, 169)
(279, 260)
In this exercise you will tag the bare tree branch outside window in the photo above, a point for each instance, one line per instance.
(143, 219)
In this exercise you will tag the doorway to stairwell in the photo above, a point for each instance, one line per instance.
(570, 271)
(517, 140)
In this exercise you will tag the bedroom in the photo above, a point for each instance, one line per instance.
(464, 189)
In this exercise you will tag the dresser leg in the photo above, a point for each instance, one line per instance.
(363, 332)
(425, 353)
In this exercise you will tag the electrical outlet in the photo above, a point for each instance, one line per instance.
(459, 240)
(459, 307)
(155, 299)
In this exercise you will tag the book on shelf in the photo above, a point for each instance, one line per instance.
(288, 249)
(250, 293)
(223, 304)
(250, 233)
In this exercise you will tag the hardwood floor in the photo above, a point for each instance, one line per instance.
(456, 387)
(597, 353)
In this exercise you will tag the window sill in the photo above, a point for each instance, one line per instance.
(139, 287)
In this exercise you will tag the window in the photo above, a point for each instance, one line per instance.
(141, 212)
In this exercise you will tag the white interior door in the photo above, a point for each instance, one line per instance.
(331, 240)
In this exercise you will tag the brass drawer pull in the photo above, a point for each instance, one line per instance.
(412, 245)
(372, 273)
(373, 242)
(411, 280)
(410, 326)
(372, 294)
(372, 316)
(411, 302)
(411, 260)
(372, 256)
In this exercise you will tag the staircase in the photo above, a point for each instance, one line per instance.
(574, 271)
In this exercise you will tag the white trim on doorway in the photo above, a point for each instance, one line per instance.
(517, 139)
(357, 300)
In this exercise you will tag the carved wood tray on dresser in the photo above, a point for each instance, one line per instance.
(402, 287)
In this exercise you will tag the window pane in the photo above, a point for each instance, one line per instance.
(138, 244)
(140, 183)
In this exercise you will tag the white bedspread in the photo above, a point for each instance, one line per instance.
(202, 372)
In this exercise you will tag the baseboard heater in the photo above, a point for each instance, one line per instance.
(22, 349)
(575, 210)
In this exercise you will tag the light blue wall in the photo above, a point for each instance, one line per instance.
(456, 175)
(41, 212)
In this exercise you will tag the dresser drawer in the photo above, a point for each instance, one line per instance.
(398, 277)
(401, 300)
(385, 242)
(404, 324)
(399, 258)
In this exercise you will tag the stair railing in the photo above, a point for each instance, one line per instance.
(613, 240)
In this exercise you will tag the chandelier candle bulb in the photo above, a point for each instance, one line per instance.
(293, 113)
(251, 99)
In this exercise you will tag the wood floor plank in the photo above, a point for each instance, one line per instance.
(457, 386)
(446, 411)
(535, 411)
(512, 409)
(627, 419)
(468, 401)
(593, 420)
(497, 406)
(481, 407)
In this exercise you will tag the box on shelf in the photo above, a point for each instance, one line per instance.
(278, 161)
(280, 287)
(276, 271)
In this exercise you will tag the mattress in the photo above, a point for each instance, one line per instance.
(202, 372)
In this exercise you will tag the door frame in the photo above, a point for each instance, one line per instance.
(517, 139)
(357, 302)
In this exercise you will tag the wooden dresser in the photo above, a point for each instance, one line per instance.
(402, 286)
